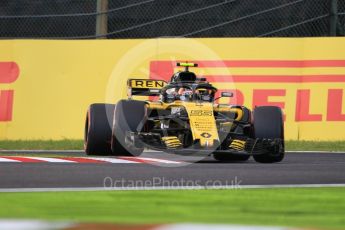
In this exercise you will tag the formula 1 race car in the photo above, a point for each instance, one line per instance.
(186, 120)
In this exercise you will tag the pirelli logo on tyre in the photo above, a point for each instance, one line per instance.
(9, 72)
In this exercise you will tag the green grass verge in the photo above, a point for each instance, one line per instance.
(315, 145)
(41, 145)
(321, 208)
(78, 145)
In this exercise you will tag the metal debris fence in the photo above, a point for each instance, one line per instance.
(90, 19)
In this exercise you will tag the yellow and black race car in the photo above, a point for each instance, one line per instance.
(186, 119)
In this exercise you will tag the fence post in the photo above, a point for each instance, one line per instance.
(333, 18)
(102, 18)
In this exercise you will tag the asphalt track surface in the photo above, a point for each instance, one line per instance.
(296, 169)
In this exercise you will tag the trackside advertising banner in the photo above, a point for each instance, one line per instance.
(46, 86)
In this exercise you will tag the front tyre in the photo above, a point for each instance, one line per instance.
(98, 129)
(129, 116)
(268, 124)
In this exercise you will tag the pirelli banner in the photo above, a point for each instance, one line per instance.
(46, 86)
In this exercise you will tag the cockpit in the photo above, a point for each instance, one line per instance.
(190, 92)
(185, 86)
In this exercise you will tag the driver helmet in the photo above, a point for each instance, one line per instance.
(185, 94)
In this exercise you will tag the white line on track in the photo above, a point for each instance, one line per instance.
(228, 187)
(111, 160)
(4, 160)
(15, 224)
(159, 160)
(50, 159)
(117, 160)
(33, 225)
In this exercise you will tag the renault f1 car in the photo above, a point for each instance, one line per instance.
(186, 119)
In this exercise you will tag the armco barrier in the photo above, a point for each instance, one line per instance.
(46, 86)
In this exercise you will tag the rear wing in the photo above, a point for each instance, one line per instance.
(144, 87)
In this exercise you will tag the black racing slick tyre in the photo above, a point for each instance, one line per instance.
(268, 123)
(230, 157)
(129, 116)
(97, 135)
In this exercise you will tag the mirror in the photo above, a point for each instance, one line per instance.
(154, 91)
(227, 94)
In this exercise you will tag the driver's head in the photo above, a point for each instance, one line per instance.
(182, 91)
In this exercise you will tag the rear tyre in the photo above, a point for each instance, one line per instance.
(129, 116)
(98, 129)
(268, 123)
(230, 157)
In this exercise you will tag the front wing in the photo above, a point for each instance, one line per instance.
(249, 146)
